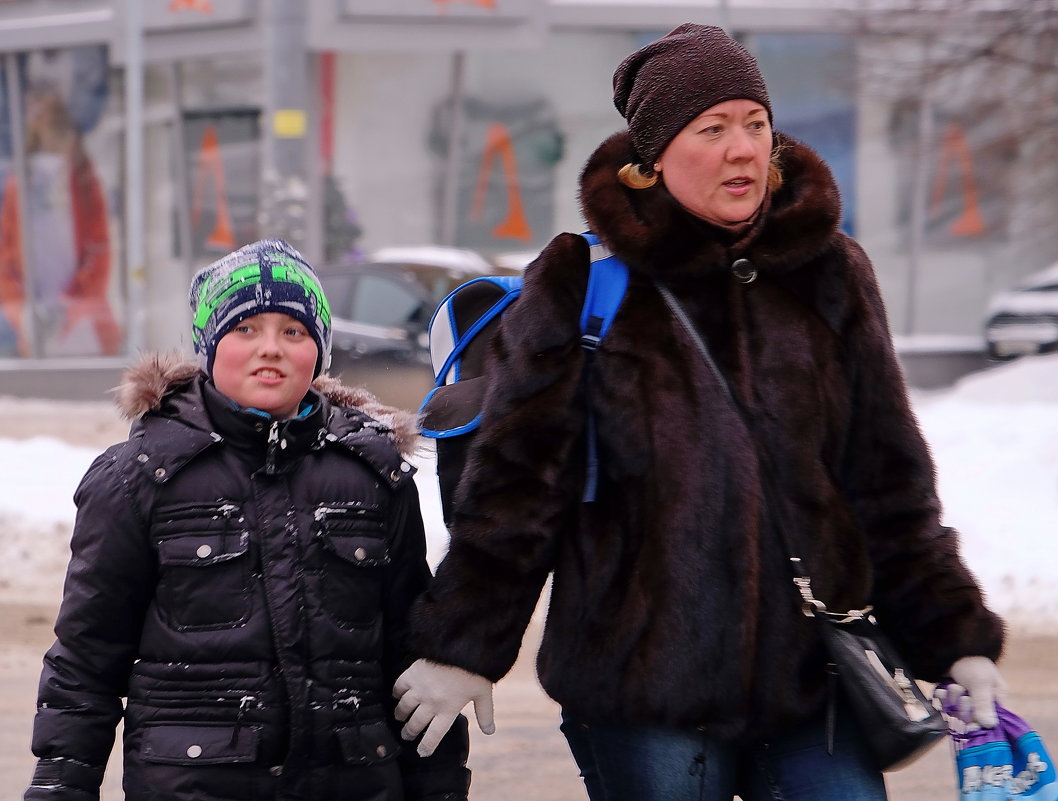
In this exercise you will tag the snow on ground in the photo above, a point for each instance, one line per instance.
(994, 436)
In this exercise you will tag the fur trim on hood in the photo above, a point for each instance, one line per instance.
(145, 385)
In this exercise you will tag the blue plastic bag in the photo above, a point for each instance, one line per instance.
(1005, 763)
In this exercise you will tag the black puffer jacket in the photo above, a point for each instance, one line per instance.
(245, 584)
(672, 600)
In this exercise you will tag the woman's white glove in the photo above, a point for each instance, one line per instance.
(978, 677)
(430, 696)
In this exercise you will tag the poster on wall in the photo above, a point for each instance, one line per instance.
(968, 192)
(223, 167)
(8, 334)
(59, 282)
(508, 155)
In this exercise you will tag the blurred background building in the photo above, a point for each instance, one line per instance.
(140, 139)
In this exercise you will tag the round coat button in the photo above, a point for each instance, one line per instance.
(381, 751)
(276, 770)
(203, 551)
(160, 472)
(405, 467)
(360, 554)
(142, 458)
(743, 270)
(194, 751)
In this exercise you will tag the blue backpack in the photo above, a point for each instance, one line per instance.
(459, 333)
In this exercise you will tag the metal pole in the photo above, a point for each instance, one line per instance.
(181, 184)
(21, 167)
(135, 199)
(450, 188)
(725, 15)
(919, 188)
(315, 244)
(284, 185)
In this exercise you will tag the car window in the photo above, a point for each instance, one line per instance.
(337, 287)
(382, 301)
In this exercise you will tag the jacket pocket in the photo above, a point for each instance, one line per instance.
(367, 743)
(204, 568)
(199, 744)
(354, 554)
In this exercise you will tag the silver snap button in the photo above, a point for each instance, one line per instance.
(203, 551)
(394, 476)
(743, 270)
(360, 554)
(405, 467)
(142, 458)
(276, 770)
(194, 751)
(381, 751)
(160, 472)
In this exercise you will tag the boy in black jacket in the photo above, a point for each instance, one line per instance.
(242, 570)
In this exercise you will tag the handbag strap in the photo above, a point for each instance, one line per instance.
(810, 605)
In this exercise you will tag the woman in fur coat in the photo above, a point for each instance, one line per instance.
(675, 640)
(242, 571)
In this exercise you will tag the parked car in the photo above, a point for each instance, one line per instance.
(381, 309)
(1024, 319)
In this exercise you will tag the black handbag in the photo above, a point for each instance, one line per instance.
(896, 721)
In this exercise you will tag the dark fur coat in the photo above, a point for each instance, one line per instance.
(672, 601)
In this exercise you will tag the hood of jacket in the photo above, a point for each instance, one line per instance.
(652, 233)
(146, 386)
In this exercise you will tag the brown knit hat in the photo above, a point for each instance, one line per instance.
(663, 86)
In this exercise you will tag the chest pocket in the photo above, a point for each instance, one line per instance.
(354, 552)
(204, 566)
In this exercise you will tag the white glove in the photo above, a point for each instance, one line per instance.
(430, 696)
(979, 677)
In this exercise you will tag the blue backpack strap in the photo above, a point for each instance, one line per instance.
(607, 283)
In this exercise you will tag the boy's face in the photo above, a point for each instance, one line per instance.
(266, 362)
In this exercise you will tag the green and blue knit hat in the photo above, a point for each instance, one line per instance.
(266, 276)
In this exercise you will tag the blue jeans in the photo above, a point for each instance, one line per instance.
(654, 763)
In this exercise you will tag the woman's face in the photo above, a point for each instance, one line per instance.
(717, 166)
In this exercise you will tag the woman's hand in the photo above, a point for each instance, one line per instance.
(979, 684)
(430, 696)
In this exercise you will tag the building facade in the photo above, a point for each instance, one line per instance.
(140, 139)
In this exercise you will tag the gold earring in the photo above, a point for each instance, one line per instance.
(633, 176)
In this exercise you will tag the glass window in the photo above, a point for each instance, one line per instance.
(382, 301)
(60, 287)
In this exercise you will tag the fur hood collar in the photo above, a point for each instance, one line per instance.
(652, 233)
(145, 385)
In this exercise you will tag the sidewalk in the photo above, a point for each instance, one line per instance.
(527, 758)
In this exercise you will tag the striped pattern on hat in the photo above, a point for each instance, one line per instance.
(265, 276)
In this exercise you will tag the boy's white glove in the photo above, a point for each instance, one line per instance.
(430, 696)
(979, 677)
